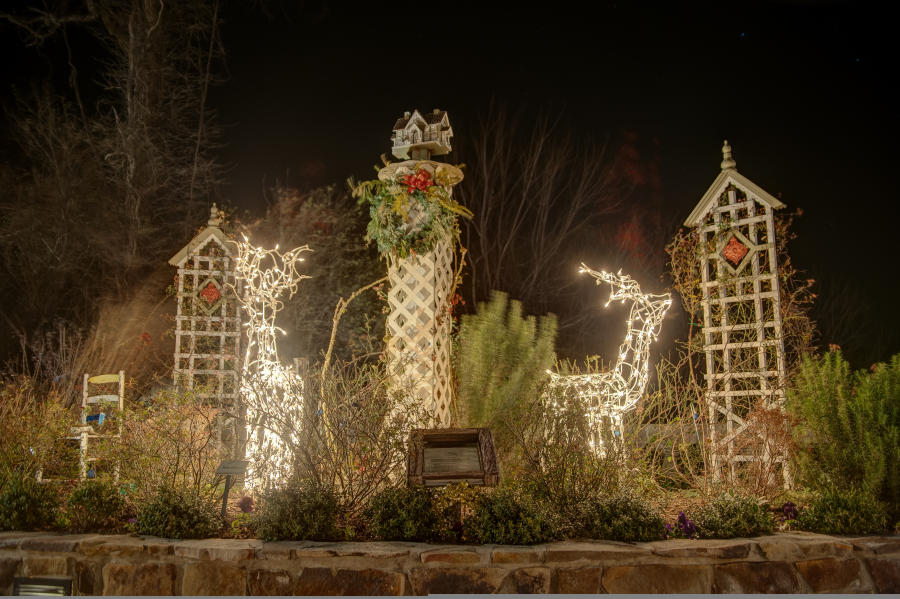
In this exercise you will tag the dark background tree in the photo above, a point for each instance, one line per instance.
(114, 168)
(331, 222)
(801, 89)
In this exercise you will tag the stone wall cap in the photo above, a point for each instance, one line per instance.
(218, 549)
(60, 543)
(567, 551)
(890, 544)
(451, 556)
(711, 548)
(374, 549)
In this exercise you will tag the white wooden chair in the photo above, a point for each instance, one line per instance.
(94, 412)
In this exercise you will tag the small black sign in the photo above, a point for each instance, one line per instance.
(233, 467)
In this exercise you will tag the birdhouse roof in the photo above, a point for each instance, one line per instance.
(428, 118)
(729, 176)
(198, 242)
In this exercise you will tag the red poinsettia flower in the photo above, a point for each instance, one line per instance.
(420, 181)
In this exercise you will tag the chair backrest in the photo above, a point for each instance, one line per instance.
(87, 398)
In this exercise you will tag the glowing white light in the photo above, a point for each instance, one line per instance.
(610, 394)
(272, 392)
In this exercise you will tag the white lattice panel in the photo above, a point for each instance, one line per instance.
(418, 328)
(207, 325)
(743, 342)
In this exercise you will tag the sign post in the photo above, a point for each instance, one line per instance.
(230, 468)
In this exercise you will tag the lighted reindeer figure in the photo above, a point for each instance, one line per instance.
(610, 394)
(272, 392)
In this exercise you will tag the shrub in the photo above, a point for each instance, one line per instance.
(403, 514)
(242, 526)
(501, 358)
(850, 430)
(33, 427)
(622, 517)
(27, 505)
(508, 517)
(172, 441)
(728, 516)
(299, 512)
(453, 504)
(843, 512)
(556, 462)
(96, 506)
(176, 513)
(351, 438)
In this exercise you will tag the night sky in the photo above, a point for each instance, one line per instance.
(802, 90)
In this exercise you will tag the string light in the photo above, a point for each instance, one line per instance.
(608, 395)
(272, 392)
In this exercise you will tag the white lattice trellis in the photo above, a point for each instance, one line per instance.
(418, 324)
(743, 343)
(418, 327)
(207, 320)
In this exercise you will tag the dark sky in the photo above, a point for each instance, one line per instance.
(803, 91)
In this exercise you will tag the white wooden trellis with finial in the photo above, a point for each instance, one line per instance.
(207, 320)
(418, 323)
(742, 326)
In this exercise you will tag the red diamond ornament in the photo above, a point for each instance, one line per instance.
(211, 294)
(734, 251)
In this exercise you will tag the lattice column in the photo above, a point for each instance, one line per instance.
(743, 343)
(207, 320)
(418, 327)
(414, 223)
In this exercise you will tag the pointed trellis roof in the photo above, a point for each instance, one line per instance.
(212, 231)
(728, 176)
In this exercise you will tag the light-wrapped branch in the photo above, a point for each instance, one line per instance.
(272, 393)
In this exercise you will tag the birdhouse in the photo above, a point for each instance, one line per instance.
(207, 321)
(419, 137)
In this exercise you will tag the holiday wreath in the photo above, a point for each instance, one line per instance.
(410, 211)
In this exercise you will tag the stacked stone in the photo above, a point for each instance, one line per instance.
(124, 565)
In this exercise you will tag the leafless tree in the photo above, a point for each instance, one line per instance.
(534, 195)
(103, 193)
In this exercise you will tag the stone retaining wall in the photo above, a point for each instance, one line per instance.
(124, 565)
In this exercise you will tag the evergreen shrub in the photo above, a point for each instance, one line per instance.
(96, 506)
(453, 504)
(843, 512)
(27, 505)
(176, 513)
(508, 517)
(728, 516)
(621, 517)
(849, 426)
(501, 360)
(299, 512)
(403, 514)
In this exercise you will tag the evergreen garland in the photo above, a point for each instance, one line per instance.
(410, 213)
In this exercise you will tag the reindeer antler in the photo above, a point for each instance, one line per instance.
(622, 286)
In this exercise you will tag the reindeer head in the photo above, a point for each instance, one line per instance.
(623, 287)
